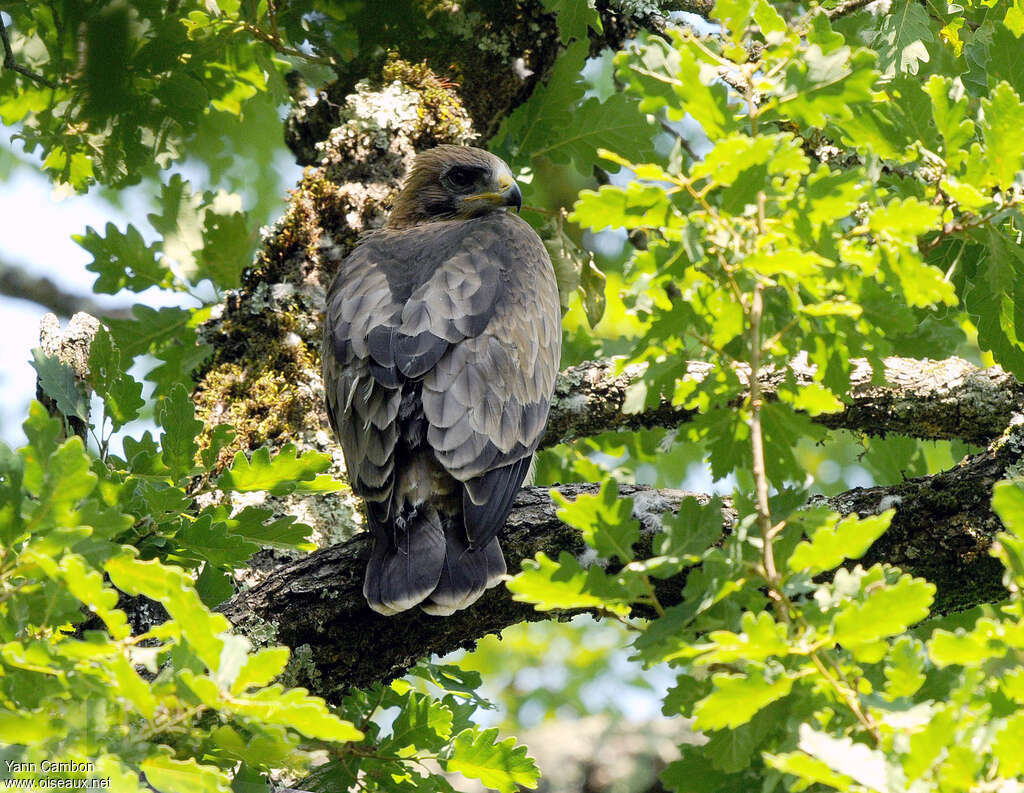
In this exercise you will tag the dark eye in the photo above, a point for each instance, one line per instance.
(461, 177)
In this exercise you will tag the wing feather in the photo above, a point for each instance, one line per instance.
(502, 377)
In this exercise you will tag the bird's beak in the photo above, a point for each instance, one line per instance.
(512, 195)
(507, 194)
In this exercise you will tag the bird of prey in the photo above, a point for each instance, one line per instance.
(441, 345)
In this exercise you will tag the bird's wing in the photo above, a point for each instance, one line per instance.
(363, 397)
(486, 399)
(399, 301)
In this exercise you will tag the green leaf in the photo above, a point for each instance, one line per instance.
(25, 727)
(280, 475)
(1008, 503)
(736, 698)
(255, 525)
(86, 583)
(566, 585)
(808, 769)
(695, 773)
(214, 585)
(832, 540)
(423, 722)
(667, 74)
(814, 399)
(949, 111)
(904, 668)
(548, 114)
(773, 26)
(733, 751)
(823, 87)
(227, 240)
(886, 611)
(172, 587)
(993, 297)
(150, 328)
(687, 535)
(575, 17)
(762, 638)
(502, 766)
(734, 16)
(66, 481)
(613, 124)
(11, 496)
(176, 414)
(966, 648)
(180, 222)
(605, 519)
(1008, 747)
(260, 668)
(1001, 123)
(295, 709)
(902, 38)
(121, 393)
(58, 382)
(928, 744)
(867, 767)
(177, 776)
(179, 359)
(122, 260)
(635, 206)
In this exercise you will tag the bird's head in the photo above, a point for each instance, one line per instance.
(454, 183)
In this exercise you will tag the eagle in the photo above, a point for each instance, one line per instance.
(442, 340)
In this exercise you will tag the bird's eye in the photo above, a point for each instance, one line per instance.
(460, 177)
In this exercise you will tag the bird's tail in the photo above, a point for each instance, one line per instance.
(405, 567)
(465, 574)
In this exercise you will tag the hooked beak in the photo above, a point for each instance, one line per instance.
(513, 197)
(508, 194)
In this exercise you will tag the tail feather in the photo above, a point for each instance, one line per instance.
(465, 574)
(403, 572)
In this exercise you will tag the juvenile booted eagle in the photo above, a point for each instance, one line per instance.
(441, 345)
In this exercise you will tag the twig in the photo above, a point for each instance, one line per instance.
(284, 49)
(847, 8)
(11, 64)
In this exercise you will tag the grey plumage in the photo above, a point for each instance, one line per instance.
(441, 345)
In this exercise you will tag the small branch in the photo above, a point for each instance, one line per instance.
(23, 285)
(11, 64)
(275, 42)
(848, 7)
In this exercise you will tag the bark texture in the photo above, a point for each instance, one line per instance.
(931, 400)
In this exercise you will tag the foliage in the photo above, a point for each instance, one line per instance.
(179, 703)
(836, 183)
(800, 675)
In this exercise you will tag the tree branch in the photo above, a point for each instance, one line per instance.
(942, 530)
(930, 400)
(12, 64)
(23, 285)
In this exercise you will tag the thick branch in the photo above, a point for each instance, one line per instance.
(931, 400)
(23, 285)
(943, 528)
